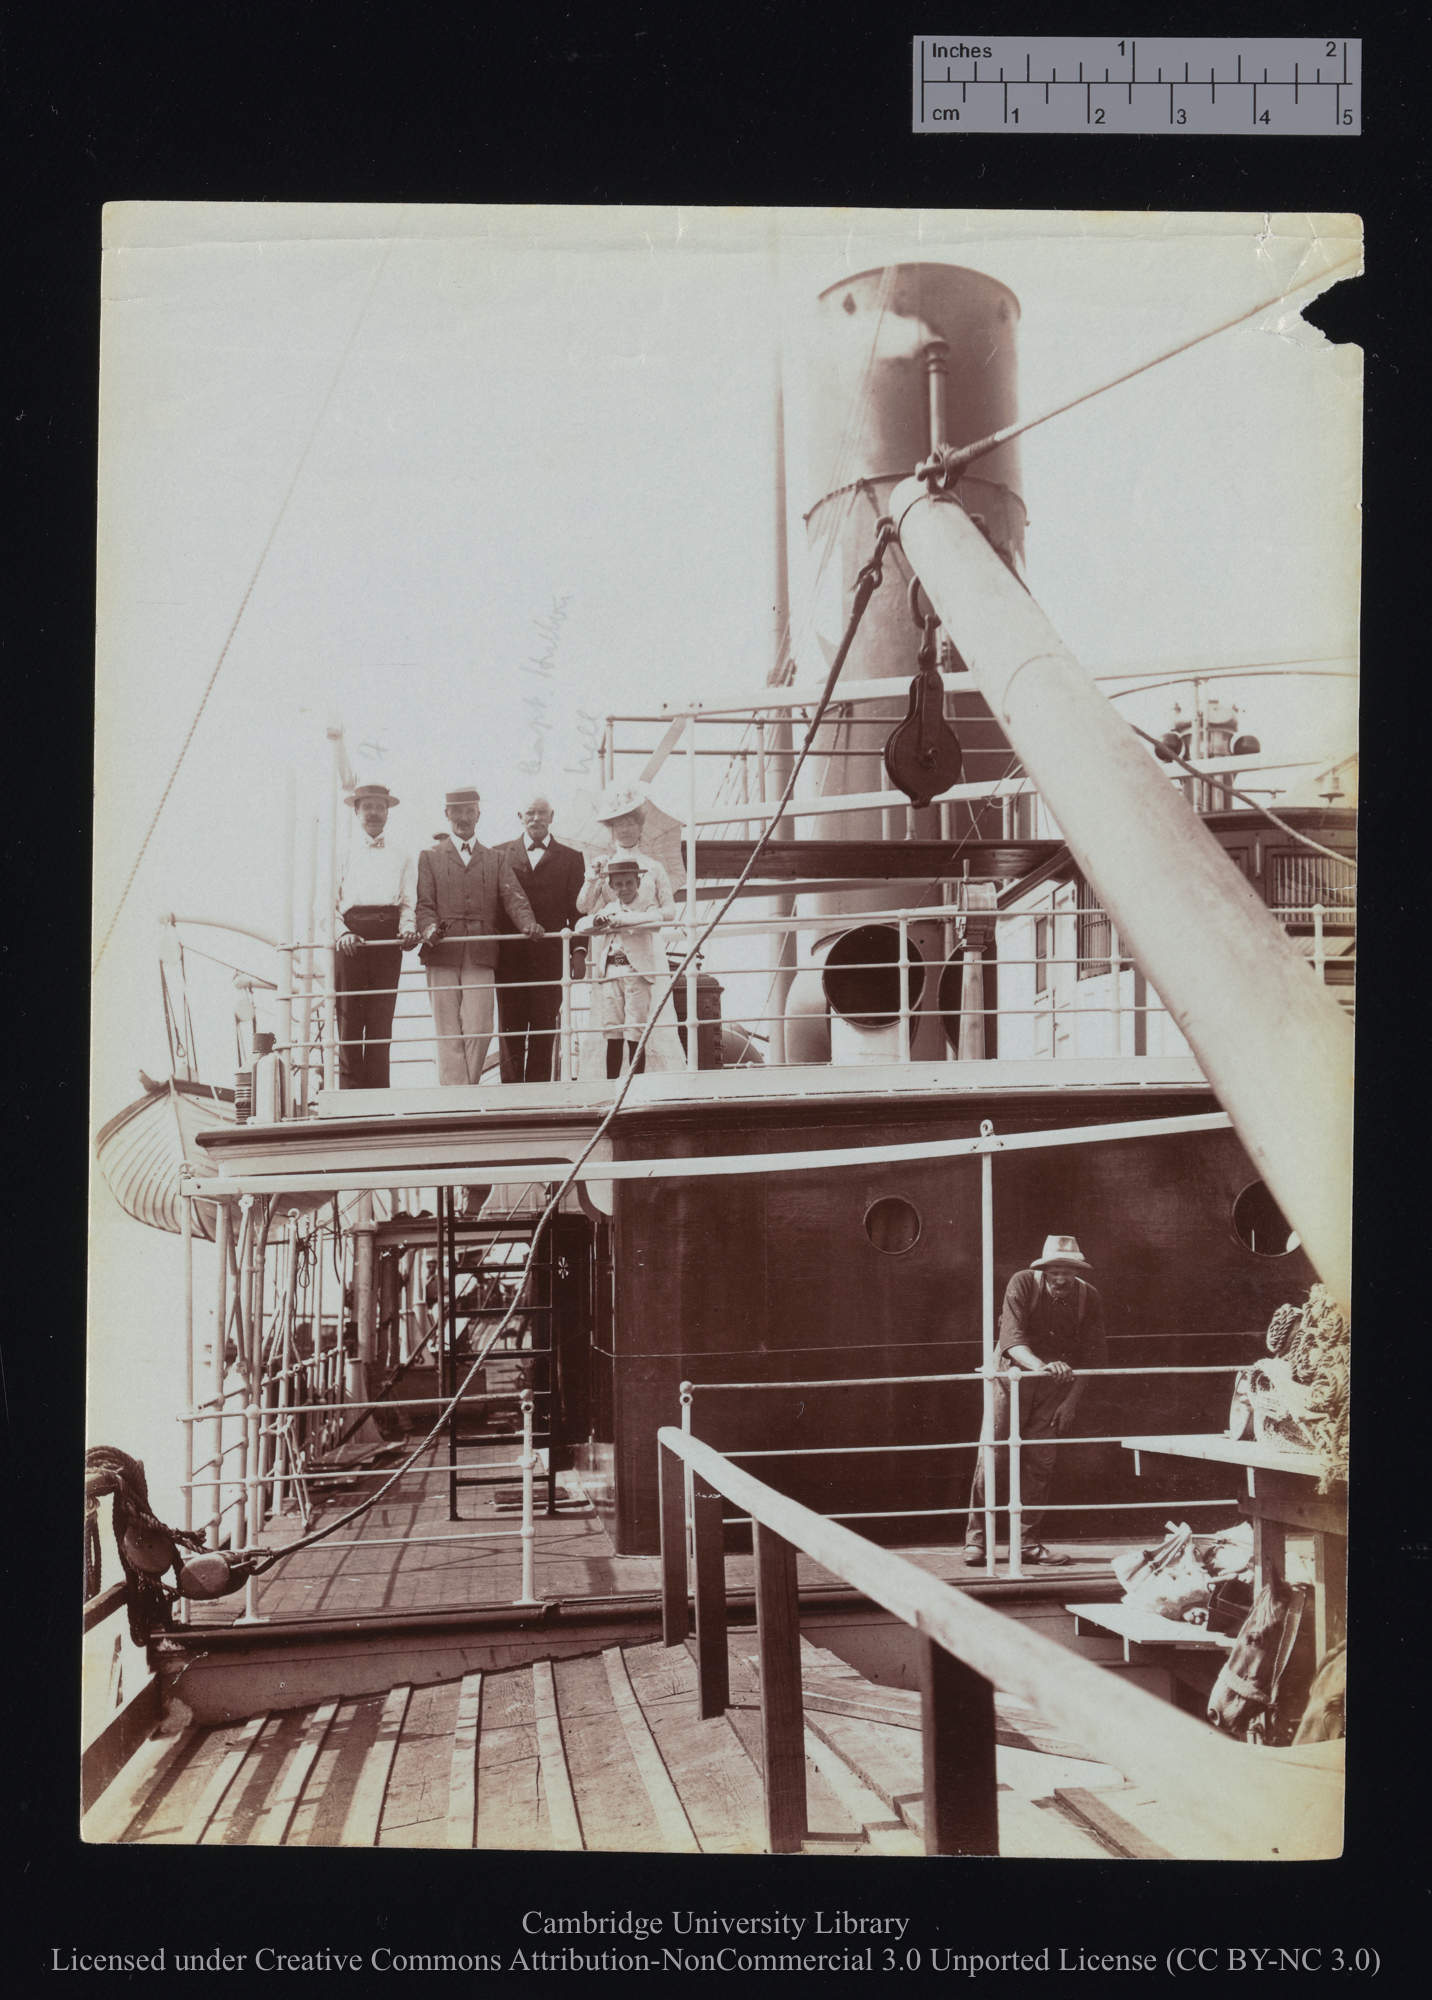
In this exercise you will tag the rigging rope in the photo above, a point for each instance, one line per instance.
(866, 585)
(954, 462)
(248, 593)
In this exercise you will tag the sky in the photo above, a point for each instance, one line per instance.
(368, 461)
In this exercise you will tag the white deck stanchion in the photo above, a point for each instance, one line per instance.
(1016, 1506)
(529, 1526)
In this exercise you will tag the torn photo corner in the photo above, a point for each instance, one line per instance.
(945, 623)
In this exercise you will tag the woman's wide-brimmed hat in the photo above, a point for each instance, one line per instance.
(361, 792)
(1061, 1253)
(619, 800)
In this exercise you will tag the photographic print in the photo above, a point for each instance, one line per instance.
(724, 928)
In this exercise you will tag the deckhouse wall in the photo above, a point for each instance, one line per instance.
(775, 1278)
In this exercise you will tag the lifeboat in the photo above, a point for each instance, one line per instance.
(143, 1148)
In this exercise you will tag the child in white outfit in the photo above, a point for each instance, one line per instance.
(628, 908)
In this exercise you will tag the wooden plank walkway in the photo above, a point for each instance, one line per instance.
(602, 1751)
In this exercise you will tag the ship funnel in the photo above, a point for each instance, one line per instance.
(900, 359)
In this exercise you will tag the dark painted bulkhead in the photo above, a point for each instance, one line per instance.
(774, 1277)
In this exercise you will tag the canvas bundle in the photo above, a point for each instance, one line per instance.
(1168, 1580)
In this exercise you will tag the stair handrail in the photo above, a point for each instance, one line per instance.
(1255, 1802)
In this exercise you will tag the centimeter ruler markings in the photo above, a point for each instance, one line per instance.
(1269, 86)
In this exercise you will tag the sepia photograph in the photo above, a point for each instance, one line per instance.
(723, 962)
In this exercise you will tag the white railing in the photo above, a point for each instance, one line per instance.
(1051, 1002)
(988, 1445)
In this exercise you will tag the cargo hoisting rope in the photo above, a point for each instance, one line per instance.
(257, 1561)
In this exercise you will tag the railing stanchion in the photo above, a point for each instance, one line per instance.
(1320, 954)
(778, 1629)
(529, 1525)
(186, 1235)
(693, 1053)
(564, 1066)
(1116, 967)
(222, 1223)
(675, 1605)
(330, 950)
(712, 1667)
(957, 1724)
(904, 1043)
(988, 1459)
(286, 947)
(1016, 1509)
(689, 1512)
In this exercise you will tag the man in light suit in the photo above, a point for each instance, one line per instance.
(550, 876)
(460, 887)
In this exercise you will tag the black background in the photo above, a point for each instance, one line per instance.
(790, 104)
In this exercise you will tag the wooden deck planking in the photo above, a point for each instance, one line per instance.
(613, 1804)
(212, 1812)
(359, 1827)
(168, 1806)
(889, 1760)
(1032, 1832)
(574, 1555)
(677, 1836)
(828, 1819)
(415, 1809)
(565, 1825)
(1112, 1815)
(147, 1775)
(718, 1784)
(273, 1827)
(318, 1819)
(865, 1808)
(511, 1809)
(462, 1781)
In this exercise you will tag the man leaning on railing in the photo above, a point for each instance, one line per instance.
(376, 894)
(1052, 1323)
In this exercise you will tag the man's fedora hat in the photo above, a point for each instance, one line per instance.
(465, 795)
(619, 800)
(1061, 1253)
(361, 792)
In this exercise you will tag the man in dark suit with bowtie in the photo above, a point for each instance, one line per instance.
(528, 1016)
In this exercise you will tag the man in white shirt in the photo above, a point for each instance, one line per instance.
(377, 891)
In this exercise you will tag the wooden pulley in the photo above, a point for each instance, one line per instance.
(216, 1573)
(147, 1549)
(922, 753)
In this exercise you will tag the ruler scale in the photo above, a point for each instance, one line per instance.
(1293, 86)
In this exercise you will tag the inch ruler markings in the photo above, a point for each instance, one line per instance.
(1306, 86)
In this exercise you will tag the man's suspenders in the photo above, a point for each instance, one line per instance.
(1083, 1300)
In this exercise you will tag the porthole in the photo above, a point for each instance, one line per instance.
(1260, 1225)
(893, 1225)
